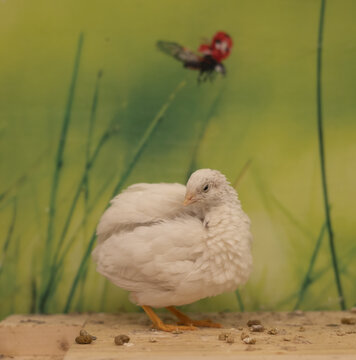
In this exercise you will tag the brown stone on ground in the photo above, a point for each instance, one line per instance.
(223, 336)
(257, 328)
(253, 322)
(230, 339)
(249, 340)
(348, 321)
(85, 333)
(83, 339)
(273, 331)
(121, 339)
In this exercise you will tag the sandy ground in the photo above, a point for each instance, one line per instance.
(302, 335)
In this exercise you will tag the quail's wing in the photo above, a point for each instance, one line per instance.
(141, 204)
(178, 51)
(158, 256)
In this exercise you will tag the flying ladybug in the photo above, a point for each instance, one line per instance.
(210, 57)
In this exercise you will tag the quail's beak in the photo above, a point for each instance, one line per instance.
(189, 199)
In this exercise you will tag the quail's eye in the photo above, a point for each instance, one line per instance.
(206, 188)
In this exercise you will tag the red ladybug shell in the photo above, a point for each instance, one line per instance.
(219, 48)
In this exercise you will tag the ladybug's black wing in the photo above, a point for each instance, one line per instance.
(178, 52)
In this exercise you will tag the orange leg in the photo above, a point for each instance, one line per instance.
(158, 323)
(186, 320)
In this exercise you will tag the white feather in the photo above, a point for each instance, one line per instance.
(141, 204)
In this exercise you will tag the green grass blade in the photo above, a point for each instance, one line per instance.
(322, 155)
(53, 267)
(307, 279)
(70, 242)
(293, 220)
(136, 155)
(239, 300)
(241, 174)
(79, 189)
(236, 182)
(9, 235)
(57, 266)
(59, 164)
(193, 164)
(92, 119)
(90, 134)
(19, 182)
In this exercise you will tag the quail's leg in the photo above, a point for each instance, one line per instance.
(186, 320)
(158, 323)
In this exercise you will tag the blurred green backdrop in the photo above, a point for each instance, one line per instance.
(88, 106)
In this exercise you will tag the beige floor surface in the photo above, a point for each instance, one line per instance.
(302, 335)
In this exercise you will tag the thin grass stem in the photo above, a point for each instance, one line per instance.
(105, 137)
(319, 274)
(291, 217)
(193, 164)
(239, 300)
(236, 182)
(53, 284)
(49, 286)
(307, 278)
(322, 156)
(9, 235)
(86, 182)
(130, 166)
(82, 223)
(242, 173)
(19, 182)
(57, 266)
(90, 134)
(59, 164)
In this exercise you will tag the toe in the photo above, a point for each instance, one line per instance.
(203, 323)
(171, 328)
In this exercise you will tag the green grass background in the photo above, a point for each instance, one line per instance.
(155, 123)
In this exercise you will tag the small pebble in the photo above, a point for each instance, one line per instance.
(121, 339)
(273, 331)
(83, 339)
(230, 339)
(353, 310)
(348, 321)
(223, 336)
(85, 333)
(249, 340)
(152, 340)
(253, 322)
(177, 331)
(240, 328)
(257, 328)
(287, 339)
(302, 329)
